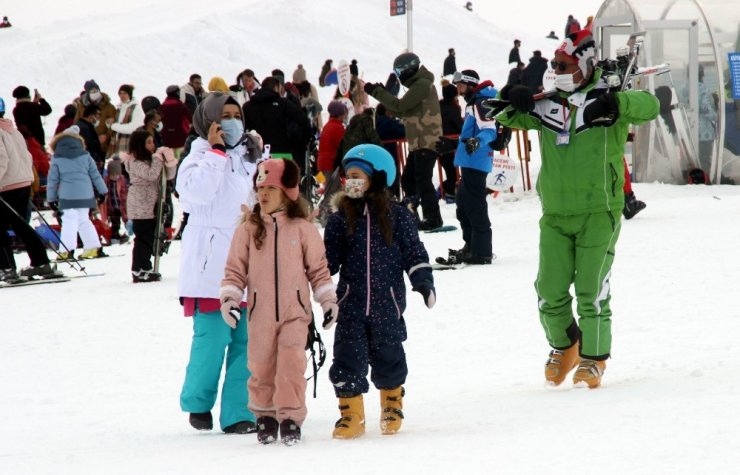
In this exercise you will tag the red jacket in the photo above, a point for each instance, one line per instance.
(38, 155)
(175, 122)
(331, 136)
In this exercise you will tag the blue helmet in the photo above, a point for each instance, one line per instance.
(2, 105)
(376, 157)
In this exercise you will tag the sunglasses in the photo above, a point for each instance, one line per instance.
(560, 66)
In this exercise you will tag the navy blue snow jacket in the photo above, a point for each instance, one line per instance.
(371, 272)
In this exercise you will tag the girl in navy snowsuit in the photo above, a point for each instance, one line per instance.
(371, 241)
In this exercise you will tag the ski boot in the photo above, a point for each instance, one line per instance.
(589, 372)
(352, 423)
(560, 363)
(267, 430)
(632, 205)
(290, 432)
(427, 224)
(201, 420)
(391, 405)
(9, 275)
(46, 271)
(93, 253)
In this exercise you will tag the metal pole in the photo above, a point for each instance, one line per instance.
(409, 26)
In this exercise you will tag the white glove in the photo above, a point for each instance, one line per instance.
(331, 312)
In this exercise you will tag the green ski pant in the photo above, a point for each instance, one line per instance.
(577, 250)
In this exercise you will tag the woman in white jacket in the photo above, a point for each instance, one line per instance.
(129, 117)
(214, 181)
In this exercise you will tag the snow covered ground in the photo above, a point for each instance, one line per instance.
(91, 370)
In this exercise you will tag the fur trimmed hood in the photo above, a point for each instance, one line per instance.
(69, 143)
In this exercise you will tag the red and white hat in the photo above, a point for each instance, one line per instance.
(280, 173)
(581, 47)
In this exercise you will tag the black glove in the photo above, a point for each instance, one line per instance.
(369, 87)
(520, 97)
(445, 145)
(53, 205)
(471, 145)
(430, 296)
(100, 199)
(603, 112)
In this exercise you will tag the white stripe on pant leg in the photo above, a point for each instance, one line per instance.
(88, 234)
(604, 288)
(70, 225)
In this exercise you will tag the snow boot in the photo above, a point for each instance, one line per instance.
(241, 427)
(431, 223)
(201, 420)
(267, 429)
(632, 205)
(589, 372)
(352, 423)
(46, 271)
(290, 433)
(391, 405)
(560, 363)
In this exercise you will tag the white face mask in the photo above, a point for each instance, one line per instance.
(565, 82)
(95, 96)
(354, 187)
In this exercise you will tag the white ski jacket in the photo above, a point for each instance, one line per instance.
(212, 188)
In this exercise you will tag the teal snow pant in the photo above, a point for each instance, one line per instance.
(212, 337)
(577, 250)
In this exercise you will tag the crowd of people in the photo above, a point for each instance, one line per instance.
(251, 256)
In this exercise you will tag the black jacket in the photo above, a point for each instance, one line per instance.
(533, 73)
(281, 123)
(449, 67)
(28, 114)
(514, 55)
(452, 120)
(92, 143)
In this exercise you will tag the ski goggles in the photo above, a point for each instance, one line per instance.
(460, 77)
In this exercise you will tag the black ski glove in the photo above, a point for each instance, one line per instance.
(100, 199)
(53, 205)
(445, 145)
(369, 87)
(603, 112)
(430, 296)
(520, 97)
(471, 145)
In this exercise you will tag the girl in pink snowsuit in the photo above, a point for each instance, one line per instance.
(275, 253)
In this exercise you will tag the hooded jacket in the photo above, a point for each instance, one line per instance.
(587, 174)
(475, 125)
(419, 109)
(212, 186)
(16, 166)
(73, 174)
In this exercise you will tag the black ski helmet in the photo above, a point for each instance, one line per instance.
(405, 65)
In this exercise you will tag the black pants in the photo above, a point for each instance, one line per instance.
(472, 212)
(114, 214)
(417, 180)
(448, 164)
(143, 244)
(18, 200)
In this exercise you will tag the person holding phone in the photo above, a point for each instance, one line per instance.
(27, 113)
(214, 181)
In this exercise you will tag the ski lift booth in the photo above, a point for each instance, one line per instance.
(699, 123)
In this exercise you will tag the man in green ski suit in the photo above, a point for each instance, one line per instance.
(583, 131)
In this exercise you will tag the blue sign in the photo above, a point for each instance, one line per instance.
(735, 74)
(398, 7)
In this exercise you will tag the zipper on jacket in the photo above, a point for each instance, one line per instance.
(614, 179)
(210, 249)
(254, 304)
(277, 295)
(367, 270)
(395, 302)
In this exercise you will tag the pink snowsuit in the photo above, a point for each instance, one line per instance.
(277, 276)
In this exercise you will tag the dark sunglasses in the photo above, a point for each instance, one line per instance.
(560, 66)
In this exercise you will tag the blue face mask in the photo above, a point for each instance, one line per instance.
(233, 131)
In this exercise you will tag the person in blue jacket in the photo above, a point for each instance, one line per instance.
(474, 157)
(371, 240)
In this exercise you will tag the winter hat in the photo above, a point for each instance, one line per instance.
(128, 89)
(336, 108)
(283, 174)
(90, 85)
(173, 91)
(466, 76)
(581, 47)
(21, 92)
(217, 84)
(114, 166)
(299, 75)
(371, 159)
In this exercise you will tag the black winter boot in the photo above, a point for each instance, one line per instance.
(241, 427)
(267, 429)
(632, 205)
(201, 420)
(290, 433)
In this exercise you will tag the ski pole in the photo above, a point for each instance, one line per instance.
(70, 254)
